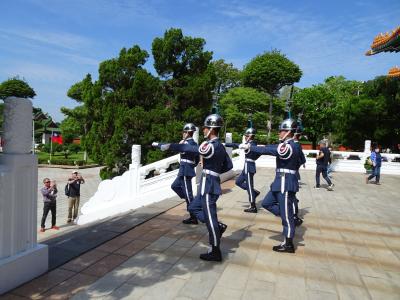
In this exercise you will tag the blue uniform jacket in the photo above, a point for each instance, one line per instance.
(250, 157)
(287, 161)
(302, 158)
(189, 160)
(215, 159)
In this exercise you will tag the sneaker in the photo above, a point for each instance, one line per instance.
(222, 229)
(330, 188)
(42, 229)
(317, 187)
(55, 227)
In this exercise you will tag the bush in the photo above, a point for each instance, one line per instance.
(107, 173)
(74, 148)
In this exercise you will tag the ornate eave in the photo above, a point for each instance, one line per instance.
(388, 42)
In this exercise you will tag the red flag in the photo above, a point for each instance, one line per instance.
(56, 138)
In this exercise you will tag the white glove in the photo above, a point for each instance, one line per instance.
(223, 144)
(164, 147)
(154, 144)
(244, 146)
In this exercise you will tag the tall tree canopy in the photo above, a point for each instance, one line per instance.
(269, 72)
(17, 88)
(188, 76)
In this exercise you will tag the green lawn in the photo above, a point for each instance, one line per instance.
(59, 158)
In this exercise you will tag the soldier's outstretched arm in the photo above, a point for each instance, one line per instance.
(231, 145)
(265, 150)
(184, 148)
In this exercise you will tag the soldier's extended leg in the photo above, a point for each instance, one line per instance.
(271, 203)
(187, 188)
(286, 212)
(215, 228)
(252, 193)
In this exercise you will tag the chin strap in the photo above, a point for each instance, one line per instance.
(284, 137)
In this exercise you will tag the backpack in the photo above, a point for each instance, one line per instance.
(66, 189)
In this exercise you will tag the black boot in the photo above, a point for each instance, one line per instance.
(222, 229)
(251, 209)
(191, 220)
(287, 246)
(297, 221)
(213, 255)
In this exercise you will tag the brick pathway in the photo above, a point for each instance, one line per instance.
(347, 248)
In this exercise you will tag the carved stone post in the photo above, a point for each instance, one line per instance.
(21, 258)
(134, 168)
(228, 139)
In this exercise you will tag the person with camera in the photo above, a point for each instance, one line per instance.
(49, 193)
(73, 192)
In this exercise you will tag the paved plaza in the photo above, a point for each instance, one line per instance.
(347, 248)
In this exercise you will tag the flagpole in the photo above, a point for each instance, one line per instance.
(51, 145)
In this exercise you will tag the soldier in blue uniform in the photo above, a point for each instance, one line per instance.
(282, 194)
(215, 161)
(245, 180)
(182, 185)
(302, 160)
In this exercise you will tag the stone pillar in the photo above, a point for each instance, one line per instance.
(367, 147)
(21, 258)
(228, 139)
(134, 168)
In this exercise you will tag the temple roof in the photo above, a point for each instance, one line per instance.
(394, 72)
(388, 42)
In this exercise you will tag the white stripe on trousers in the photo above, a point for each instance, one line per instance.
(250, 190)
(210, 220)
(286, 212)
(187, 192)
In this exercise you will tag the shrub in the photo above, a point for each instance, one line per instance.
(107, 173)
(74, 148)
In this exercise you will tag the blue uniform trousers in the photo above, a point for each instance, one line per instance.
(204, 207)
(323, 170)
(246, 182)
(282, 204)
(376, 172)
(182, 186)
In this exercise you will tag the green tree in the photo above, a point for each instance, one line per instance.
(188, 76)
(241, 103)
(318, 107)
(227, 76)
(17, 88)
(269, 72)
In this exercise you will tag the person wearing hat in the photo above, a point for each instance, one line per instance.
(245, 180)
(279, 200)
(74, 193)
(215, 161)
(182, 185)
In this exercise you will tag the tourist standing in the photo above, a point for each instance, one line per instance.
(74, 194)
(49, 193)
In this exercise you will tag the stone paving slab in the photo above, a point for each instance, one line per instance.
(347, 248)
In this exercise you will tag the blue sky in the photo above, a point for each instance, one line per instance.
(54, 43)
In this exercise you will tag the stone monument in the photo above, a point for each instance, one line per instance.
(21, 258)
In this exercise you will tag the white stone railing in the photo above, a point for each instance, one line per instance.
(132, 190)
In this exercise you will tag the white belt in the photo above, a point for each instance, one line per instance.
(250, 160)
(286, 171)
(209, 172)
(187, 161)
